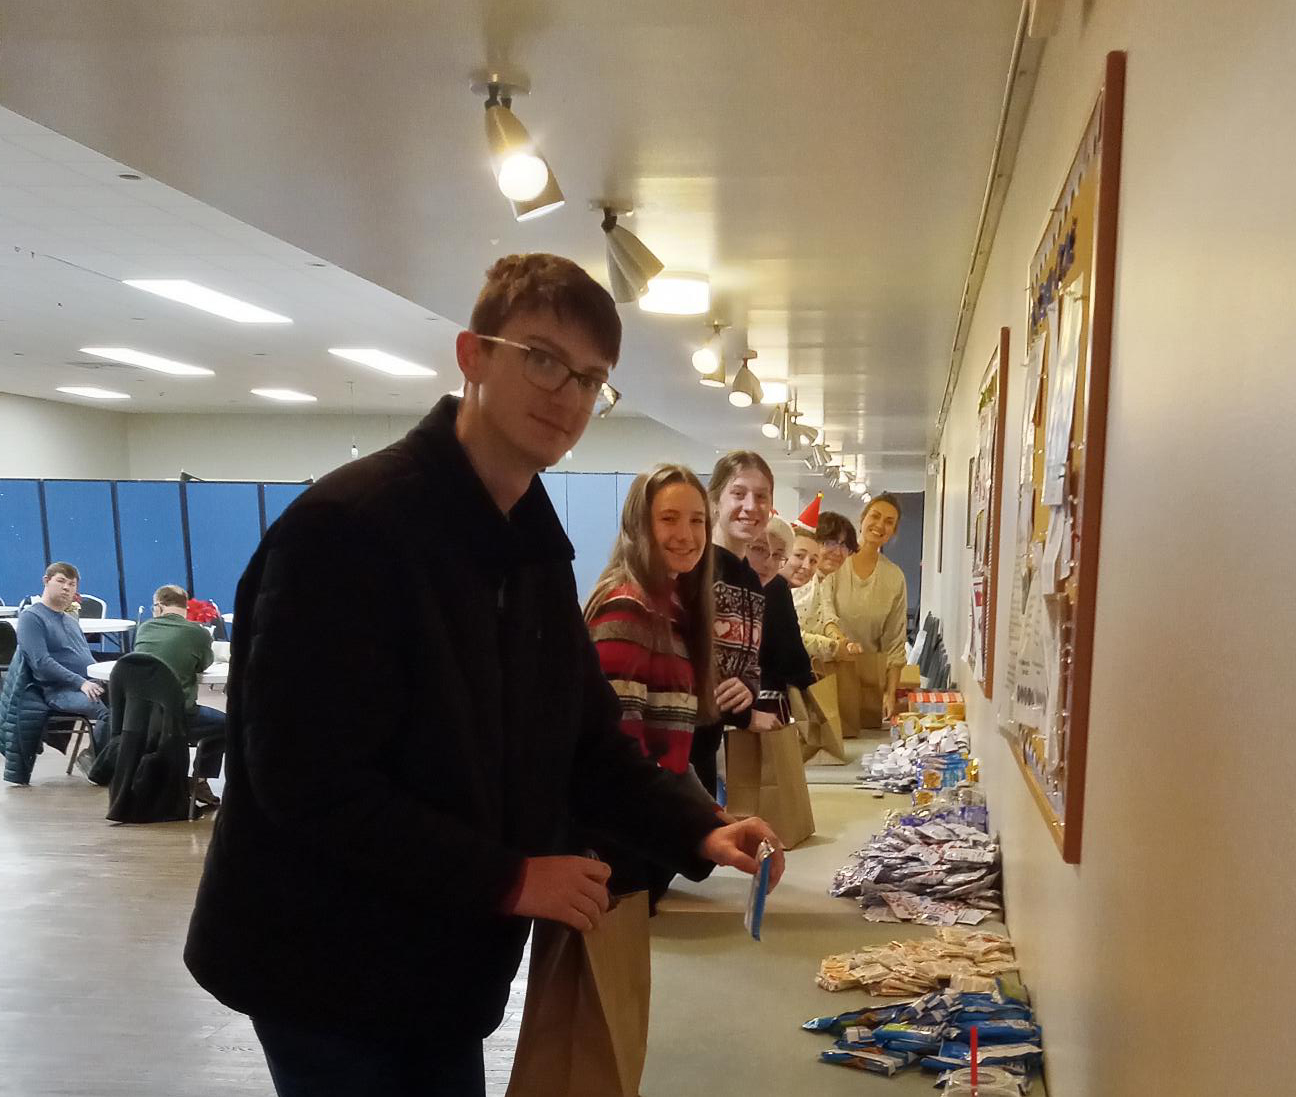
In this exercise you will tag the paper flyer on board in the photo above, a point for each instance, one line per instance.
(1061, 397)
(1031, 689)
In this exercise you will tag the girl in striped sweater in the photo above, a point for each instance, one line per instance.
(651, 611)
(650, 618)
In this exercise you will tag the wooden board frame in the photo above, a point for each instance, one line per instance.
(1098, 159)
(985, 548)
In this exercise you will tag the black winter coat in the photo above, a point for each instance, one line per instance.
(414, 707)
(23, 713)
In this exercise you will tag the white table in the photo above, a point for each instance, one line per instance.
(101, 626)
(8, 611)
(215, 675)
(108, 626)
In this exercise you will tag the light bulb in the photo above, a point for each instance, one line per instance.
(740, 399)
(522, 176)
(705, 360)
(769, 430)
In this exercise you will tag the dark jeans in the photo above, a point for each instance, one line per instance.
(73, 700)
(203, 723)
(311, 1062)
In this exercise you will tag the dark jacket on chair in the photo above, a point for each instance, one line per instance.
(146, 760)
(23, 713)
(415, 707)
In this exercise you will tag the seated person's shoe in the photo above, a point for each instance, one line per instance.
(204, 795)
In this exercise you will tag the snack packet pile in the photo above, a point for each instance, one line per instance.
(934, 1032)
(925, 753)
(932, 873)
(960, 959)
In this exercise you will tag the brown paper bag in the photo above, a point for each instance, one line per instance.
(585, 1023)
(765, 777)
(860, 679)
(821, 738)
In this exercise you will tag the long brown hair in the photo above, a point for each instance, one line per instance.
(637, 560)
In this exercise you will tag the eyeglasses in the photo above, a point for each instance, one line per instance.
(834, 546)
(549, 372)
(764, 550)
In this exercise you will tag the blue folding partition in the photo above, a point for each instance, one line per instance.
(22, 540)
(556, 485)
(591, 524)
(130, 537)
(623, 482)
(152, 540)
(224, 525)
(277, 498)
(83, 531)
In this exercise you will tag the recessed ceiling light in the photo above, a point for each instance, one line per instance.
(285, 396)
(677, 295)
(130, 357)
(128, 175)
(91, 392)
(209, 300)
(383, 362)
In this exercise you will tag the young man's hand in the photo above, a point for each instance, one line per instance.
(738, 843)
(570, 890)
(93, 690)
(765, 721)
(732, 696)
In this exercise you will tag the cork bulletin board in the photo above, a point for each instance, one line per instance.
(1060, 478)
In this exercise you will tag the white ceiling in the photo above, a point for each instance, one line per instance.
(823, 161)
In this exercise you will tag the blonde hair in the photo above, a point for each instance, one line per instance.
(779, 529)
(637, 560)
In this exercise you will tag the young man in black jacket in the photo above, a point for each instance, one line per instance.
(381, 851)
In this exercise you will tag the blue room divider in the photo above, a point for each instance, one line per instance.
(129, 537)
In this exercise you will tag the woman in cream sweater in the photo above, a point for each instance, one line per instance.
(865, 602)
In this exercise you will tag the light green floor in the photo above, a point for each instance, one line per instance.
(727, 1010)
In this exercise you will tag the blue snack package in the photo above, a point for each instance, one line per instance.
(834, 1025)
(999, 1030)
(759, 890)
(874, 1060)
(902, 1037)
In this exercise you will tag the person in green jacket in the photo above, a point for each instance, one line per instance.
(186, 647)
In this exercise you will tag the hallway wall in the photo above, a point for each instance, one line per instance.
(1176, 922)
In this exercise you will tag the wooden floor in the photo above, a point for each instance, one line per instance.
(95, 1000)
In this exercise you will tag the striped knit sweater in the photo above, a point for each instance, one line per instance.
(642, 651)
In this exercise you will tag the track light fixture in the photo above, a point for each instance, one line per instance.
(522, 174)
(631, 266)
(746, 388)
(776, 425)
(710, 354)
(716, 378)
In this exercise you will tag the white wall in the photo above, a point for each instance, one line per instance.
(295, 446)
(1175, 931)
(46, 438)
(51, 439)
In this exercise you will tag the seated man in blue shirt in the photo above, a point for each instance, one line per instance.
(55, 648)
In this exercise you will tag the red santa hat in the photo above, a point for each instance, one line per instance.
(810, 516)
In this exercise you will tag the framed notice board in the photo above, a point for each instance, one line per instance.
(1060, 478)
(984, 494)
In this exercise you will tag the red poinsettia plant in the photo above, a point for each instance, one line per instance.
(202, 612)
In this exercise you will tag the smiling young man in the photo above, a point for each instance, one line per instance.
(374, 868)
(741, 493)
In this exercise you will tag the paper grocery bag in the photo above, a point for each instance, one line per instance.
(860, 679)
(821, 739)
(585, 1022)
(767, 778)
